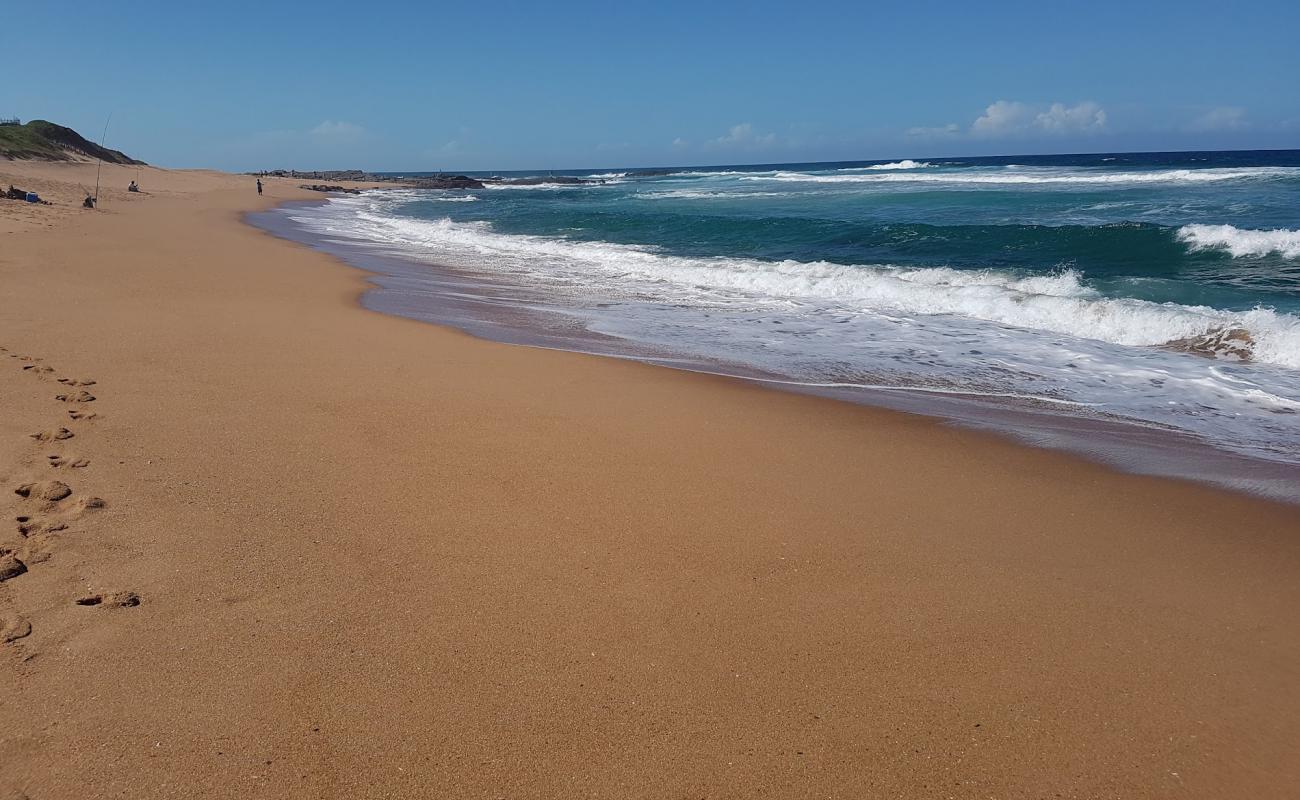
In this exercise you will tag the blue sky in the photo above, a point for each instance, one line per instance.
(510, 85)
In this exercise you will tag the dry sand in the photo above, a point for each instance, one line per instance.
(375, 558)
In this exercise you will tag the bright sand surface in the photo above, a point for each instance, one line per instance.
(376, 558)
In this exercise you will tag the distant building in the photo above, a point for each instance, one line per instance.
(10, 121)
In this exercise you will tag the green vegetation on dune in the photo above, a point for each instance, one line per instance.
(44, 141)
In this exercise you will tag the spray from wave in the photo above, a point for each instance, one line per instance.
(906, 163)
(1241, 243)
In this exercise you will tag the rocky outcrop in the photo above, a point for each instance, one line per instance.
(561, 180)
(442, 182)
(324, 187)
(652, 173)
(423, 181)
(323, 175)
(1228, 342)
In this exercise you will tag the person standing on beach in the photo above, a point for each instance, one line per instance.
(259, 185)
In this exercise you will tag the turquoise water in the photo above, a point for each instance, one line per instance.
(1117, 222)
(1161, 290)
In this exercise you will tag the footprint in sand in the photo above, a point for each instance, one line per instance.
(13, 627)
(70, 462)
(88, 504)
(54, 434)
(53, 515)
(75, 414)
(75, 382)
(29, 525)
(10, 566)
(31, 553)
(38, 369)
(110, 600)
(52, 491)
(79, 396)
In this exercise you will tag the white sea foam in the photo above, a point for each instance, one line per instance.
(906, 163)
(465, 198)
(1059, 303)
(1043, 176)
(1241, 243)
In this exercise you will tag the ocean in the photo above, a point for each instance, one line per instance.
(1141, 309)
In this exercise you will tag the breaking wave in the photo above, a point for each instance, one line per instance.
(1059, 303)
(1241, 243)
(906, 163)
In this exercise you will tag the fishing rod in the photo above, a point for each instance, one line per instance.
(100, 168)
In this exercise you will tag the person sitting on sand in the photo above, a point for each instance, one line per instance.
(133, 187)
(89, 202)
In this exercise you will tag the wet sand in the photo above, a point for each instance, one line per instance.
(343, 554)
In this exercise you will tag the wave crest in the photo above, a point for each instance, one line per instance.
(1241, 243)
(906, 163)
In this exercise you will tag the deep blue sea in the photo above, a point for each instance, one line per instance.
(1157, 290)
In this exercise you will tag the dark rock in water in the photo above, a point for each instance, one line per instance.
(320, 175)
(344, 175)
(652, 173)
(1233, 343)
(563, 180)
(418, 182)
(444, 182)
(322, 187)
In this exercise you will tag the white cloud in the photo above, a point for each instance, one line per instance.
(1086, 117)
(1014, 118)
(1002, 118)
(1223, 118)
(743, 136)
(679, 143)
(332, 131)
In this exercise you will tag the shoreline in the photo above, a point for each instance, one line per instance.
(476, 304)
(377, 557)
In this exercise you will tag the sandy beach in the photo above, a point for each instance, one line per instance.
(261, 542)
